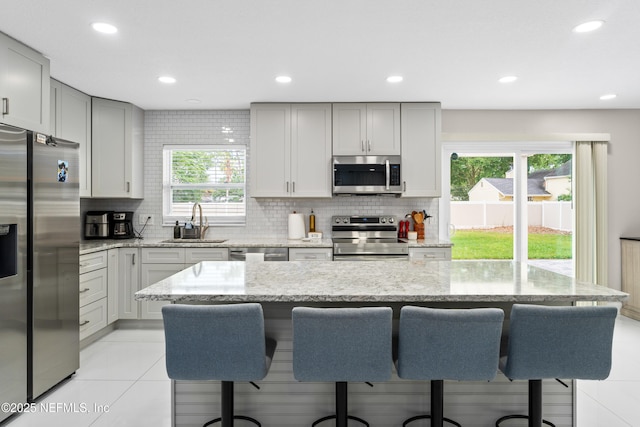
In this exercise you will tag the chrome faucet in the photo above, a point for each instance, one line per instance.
(202, 228)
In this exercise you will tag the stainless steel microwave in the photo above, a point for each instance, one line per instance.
(367, 175)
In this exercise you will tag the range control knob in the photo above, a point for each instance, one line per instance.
(391, 220)
(345, 220)
(383, 220)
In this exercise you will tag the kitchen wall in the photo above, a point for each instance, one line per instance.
(265, 217)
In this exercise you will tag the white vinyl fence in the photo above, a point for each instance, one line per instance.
(555, 215)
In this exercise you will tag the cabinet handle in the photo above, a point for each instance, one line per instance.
(5, 106)
(85, 322)
(133, 259)
(85, 290)
(293, 185)
(369, 145)
(404, 186)
(287, 186)
(128, 187)
(362, 144)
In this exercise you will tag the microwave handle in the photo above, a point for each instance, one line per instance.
(388, 174)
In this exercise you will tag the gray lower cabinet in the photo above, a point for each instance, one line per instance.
(129, 282)
(93, 293)
(160, 263)
(433, 254)
(310, 254)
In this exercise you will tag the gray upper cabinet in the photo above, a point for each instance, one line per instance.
(24, 86)
(117, 150)
(71, 120)
(421, 149)
(366, 129)
(290, 150)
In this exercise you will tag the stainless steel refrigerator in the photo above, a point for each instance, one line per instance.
(13, 267)
(39, 282)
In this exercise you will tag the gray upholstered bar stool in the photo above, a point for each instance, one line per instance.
(341, 345)
(556, 342)
(217, 342)
(447, 344)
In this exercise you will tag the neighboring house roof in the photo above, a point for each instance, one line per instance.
(562, 170)
(505, 186)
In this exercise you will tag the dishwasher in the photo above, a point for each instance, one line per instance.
(270, 254)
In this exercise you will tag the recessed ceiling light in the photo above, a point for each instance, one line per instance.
(193, 101)
(283, 79)
(588, 26)
(394, 79)
(508, 79)
(166, 79)
(608, 96)
(103, 27)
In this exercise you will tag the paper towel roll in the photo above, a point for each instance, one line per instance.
(296, 226)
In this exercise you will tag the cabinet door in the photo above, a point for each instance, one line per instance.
(93, 286)
(196, 255)
(433, 254)
(112, 286)
(163, 255)
(73, 123)
(383, 129)
(117, 149)
(421, 148)
(310, 254)
(270, 155)
(311, 150)
(93, 317)
(24, 86)
(152, 273)
(129, 278)
(349, 129)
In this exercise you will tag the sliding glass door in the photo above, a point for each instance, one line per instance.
(509, 201)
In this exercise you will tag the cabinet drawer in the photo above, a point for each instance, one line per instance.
(195, 255)
(93, 317)
(162, 255)
(310, 254)
(94, 261)
(434, 254)
(93, 286)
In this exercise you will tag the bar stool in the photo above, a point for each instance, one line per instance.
(217, 342)
(447, 344)
(342, 345)
(556, 342)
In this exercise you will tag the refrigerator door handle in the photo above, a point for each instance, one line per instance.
(5, 106)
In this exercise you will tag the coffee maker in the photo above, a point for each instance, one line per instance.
(96, 225)
(121, 225)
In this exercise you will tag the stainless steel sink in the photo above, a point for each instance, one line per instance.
(194, 241)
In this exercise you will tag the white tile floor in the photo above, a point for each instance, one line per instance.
(125, 372)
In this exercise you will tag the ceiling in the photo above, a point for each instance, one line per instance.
(227, 53)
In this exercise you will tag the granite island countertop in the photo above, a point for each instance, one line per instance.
(373, 281)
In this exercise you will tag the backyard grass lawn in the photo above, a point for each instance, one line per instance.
(481, 244)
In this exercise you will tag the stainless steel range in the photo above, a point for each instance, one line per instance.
(367, 238)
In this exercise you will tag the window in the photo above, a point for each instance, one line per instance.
(214, 176)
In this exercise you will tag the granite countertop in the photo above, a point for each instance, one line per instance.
(373, 281)
(90, 246)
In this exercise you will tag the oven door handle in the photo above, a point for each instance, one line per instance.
(387, 181)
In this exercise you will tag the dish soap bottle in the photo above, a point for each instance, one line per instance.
(176, 231)
(312, 222)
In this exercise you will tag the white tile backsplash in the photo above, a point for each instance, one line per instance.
(265, 217)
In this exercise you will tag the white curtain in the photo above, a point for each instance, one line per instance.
(590, 172)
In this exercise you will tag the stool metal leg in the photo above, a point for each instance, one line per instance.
(535, 407)
(437, 408)
(341, 416)
(226, 408)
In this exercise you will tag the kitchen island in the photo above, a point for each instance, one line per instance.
(280, 286)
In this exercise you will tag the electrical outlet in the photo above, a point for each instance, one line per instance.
(142, 219)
